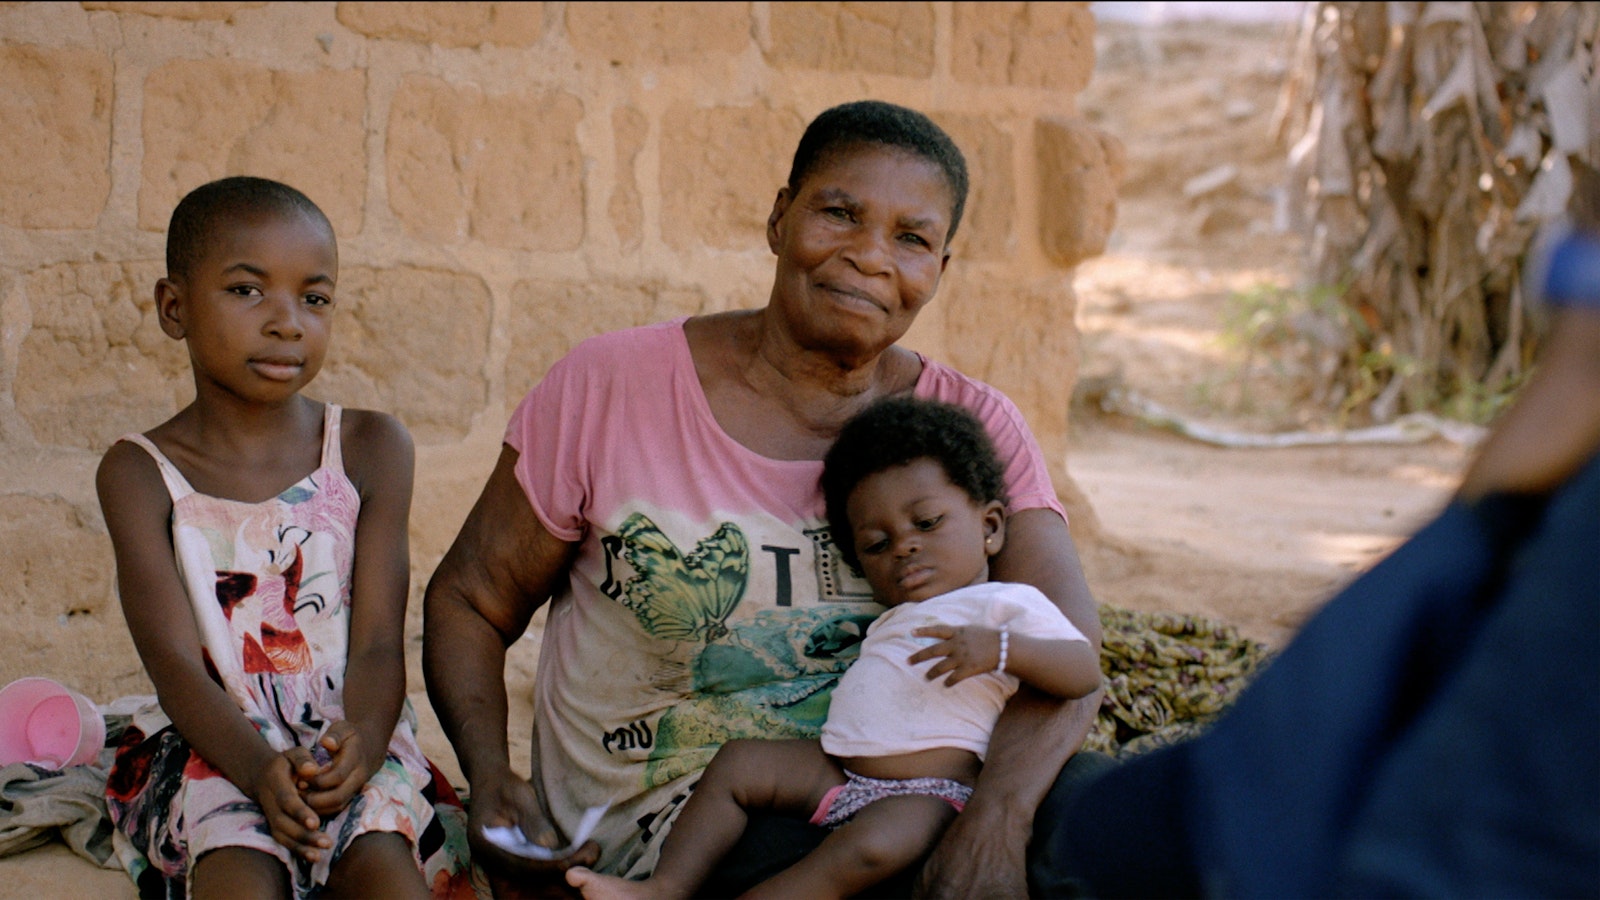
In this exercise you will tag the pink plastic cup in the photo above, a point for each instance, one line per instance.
(46, 723)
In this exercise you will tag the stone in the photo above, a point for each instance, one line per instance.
(630, 128)
(1022, 339)
(447, 24)
(505, 169)
(195, 12)
(548, 318)
(55, 147)
(658, 34)
(412, 342)
(727, 164)
(1041, 45)
(210, 118)
(98, 365)
(887, 38)
(62, 617)
(1080, 167)
(986, 224)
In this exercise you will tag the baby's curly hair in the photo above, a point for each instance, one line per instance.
(899, 430)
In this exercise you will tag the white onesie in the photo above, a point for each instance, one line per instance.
(884, 706)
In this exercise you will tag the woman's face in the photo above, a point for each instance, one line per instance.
(860, 247)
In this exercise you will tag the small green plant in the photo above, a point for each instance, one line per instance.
(1312, 334)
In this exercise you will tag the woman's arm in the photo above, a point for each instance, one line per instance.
(984, 851)
(380, 461)
(503, 566)
(138, 514)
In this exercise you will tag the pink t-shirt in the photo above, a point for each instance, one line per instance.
(706, 601)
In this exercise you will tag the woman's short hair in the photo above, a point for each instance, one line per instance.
(219, 203)
(897, 431)
(876, 122)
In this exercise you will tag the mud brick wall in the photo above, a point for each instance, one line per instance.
(505, 179)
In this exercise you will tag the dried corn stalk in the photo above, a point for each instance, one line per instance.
(1429, 141)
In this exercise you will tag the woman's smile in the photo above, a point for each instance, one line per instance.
(853, 299)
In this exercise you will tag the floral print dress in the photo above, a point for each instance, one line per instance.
(269, 584)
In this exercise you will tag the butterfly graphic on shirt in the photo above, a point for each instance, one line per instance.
(683, 596)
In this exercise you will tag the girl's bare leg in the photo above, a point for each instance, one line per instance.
(788, 777)
(882, 839)
(377, 864)
(239, 872)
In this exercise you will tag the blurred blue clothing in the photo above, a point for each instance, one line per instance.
(1572, 273)
(1433, 731)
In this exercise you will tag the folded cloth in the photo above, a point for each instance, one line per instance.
(37, 803)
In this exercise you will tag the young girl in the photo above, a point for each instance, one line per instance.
(264, 580)
(914, 501)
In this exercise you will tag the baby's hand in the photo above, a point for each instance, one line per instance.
(294, 823)
(333, 784)
(966, 651)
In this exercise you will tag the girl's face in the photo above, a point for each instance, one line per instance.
(860, 247)
(917, 535)
(258, 309)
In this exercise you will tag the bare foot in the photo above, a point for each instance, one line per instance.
(609, 887)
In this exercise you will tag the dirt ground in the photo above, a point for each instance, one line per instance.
(1255, 537)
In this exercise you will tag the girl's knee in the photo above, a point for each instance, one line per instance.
(239, 872)
(378, 863)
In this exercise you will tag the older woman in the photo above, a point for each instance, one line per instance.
(660, 485)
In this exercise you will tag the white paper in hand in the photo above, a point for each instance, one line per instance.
(511, 839)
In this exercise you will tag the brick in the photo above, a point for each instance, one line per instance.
(548, 318)
(644, 34)
(62, 617)
(1080, 167)
(727, 164)
(630, 128)
(1042, 45)
(505, 169)
(55, 146)
(986, 226)
(411, 342)
(1021, 338)
(447, 24)
(95, 363)
(886, 38)
(194, 12)
(206, 119)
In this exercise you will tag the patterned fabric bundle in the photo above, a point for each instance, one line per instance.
(1167, 676)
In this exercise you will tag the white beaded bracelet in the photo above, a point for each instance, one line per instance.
(1005, 647)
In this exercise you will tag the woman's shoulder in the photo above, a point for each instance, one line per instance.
(950, 385)
(621, 358)
(940, 381)
(610, 347)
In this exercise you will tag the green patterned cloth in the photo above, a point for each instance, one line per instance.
(1167, 676)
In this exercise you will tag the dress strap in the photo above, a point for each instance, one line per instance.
(177, 486)
(332, 455)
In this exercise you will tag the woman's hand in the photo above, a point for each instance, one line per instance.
(963, 651)
(329, 786)
(294, 823)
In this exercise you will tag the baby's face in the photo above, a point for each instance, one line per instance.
(918, 535)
